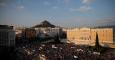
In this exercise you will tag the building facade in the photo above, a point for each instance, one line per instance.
(87, 36)
(7, 35)
(29, 33)
(52, 32)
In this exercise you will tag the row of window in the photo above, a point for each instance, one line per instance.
(3, 35)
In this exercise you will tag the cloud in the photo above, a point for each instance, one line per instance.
(20, 7)
(58, 0)
(66, 1)
(54, 7)
(3, 4)
(84, 9)
(106, 21)
(81, 9)
(4, 1)
(78, 21)
(7, 1)
(87, 1)
(46, 3)
(72, 9)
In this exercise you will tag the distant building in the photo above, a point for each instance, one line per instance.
(87, 36)
(29, 33)
(79, 36)
(7, 35)
(47, 29)
(18, 33)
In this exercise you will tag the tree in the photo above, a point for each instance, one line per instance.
(56, 38)
(97, 45)
(97, 41)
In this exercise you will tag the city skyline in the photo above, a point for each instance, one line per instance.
(65, 13)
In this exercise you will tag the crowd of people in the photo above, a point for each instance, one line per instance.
(65, 51)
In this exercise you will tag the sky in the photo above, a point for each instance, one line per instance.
(64, 13)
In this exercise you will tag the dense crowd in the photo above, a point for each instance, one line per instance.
(64, 52)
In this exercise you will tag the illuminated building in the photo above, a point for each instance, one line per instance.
(87, 36)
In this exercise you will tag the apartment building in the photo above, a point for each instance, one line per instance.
(7, 35)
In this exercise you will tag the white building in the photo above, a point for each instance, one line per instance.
(7, 35)
(49, 31)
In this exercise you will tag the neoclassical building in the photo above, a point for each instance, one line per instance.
(87, 36)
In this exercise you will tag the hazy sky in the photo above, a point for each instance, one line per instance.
(65, 13)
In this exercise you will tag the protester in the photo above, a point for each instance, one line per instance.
(64, 52)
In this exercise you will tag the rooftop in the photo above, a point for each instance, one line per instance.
(6, 27)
